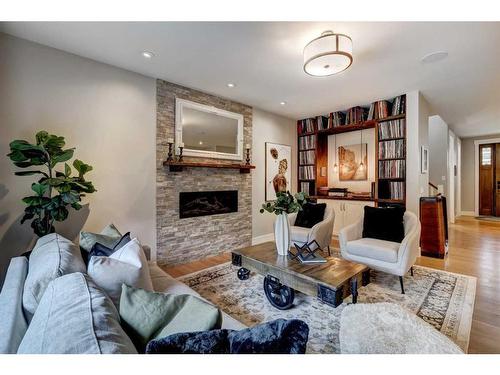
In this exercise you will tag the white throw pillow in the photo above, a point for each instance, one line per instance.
(53, 256)
(128, 265)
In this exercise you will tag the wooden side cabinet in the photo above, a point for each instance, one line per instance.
(433, 218)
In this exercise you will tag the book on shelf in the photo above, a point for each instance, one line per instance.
(399, 105)
(391, 149)
(307, 172)
(355, 115)
(379, 109)
(337, 119)
(307, 125)
(391, 169)
(323, 122)
(397, 190)
(391, 129)
(305, 187)
(307, 142)
(307, 157)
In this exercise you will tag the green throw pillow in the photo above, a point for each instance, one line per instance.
(108, 237)
(148, 315)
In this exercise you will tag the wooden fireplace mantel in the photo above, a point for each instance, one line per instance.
(175, 166)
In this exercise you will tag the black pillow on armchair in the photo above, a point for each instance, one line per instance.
(384, 223)
(310, 215)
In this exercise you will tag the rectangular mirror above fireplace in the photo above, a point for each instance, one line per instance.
(207, 131)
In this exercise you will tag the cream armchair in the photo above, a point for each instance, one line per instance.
(321, 232)
(386, 256)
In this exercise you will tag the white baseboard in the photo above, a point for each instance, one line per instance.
(467, 213)
(264, 238)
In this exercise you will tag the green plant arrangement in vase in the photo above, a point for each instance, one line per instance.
(284, 204)
(56, 190)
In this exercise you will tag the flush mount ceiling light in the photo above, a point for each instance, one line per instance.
(328, 54)
(282, 103)
(434, 57)
(230, 85)
(147, 55)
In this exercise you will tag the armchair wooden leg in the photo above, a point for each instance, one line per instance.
(411, 270)
(402, 286)
(329, 253)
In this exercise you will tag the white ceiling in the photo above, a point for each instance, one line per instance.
(264, 60)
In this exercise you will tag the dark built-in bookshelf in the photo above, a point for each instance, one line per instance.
(387, 118)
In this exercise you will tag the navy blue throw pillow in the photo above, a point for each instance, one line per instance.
(276, 337)
(101, 250)
(310, 215)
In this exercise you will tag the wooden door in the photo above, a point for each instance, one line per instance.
(486, 179)
(497, 180)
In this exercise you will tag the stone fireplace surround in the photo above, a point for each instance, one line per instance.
(183, 240)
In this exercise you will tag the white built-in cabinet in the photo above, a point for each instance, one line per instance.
(346, 211)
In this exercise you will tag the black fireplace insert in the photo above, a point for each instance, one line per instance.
(203, 203)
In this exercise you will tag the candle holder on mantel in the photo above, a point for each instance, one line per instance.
(180, 159)
(248, 156)
(170, 155)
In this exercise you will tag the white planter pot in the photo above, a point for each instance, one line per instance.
(282, 234)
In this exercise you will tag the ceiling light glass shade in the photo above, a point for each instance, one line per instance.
(328, 54)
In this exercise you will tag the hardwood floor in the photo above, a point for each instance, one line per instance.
(474, 249)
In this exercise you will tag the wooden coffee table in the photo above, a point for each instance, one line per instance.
(331, 282)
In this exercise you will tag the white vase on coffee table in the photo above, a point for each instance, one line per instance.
(282, 234)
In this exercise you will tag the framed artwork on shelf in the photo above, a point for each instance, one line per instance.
(424, 160)
(353, 163)
(278, 169)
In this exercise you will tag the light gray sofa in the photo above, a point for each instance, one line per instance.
(91, 319)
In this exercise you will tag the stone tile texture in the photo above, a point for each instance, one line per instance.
(184, 240)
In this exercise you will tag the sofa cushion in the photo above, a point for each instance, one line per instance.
(13, 325)
(53, 256)
(385, 251)
(127, 265)
(108, 237)
(278, 337)
(310, 215)
(384, 223)
(75, 317)
(148, 315)
(299, 234)
(165, 283)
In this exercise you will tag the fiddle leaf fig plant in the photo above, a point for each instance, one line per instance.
(56, 190)
(285, 203)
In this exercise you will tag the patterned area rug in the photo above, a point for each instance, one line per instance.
(443, 299)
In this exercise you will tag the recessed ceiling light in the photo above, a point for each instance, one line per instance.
(147, 55)
(201, 142)
(282, 103)
(231, 85)
(434, 57)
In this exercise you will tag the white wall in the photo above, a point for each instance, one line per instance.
(417, 125)
(352, 138)
(268, 127)
(107, 113)
(438, 152)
